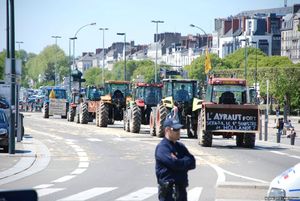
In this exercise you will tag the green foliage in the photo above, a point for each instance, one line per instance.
(93, 76)
(2, 64)
(43, 65)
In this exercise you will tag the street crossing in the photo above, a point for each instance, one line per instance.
(145, 193)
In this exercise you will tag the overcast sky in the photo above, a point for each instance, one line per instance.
(37, 20)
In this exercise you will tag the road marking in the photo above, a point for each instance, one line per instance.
(64, 178)
(78, 171)
(285, 154)
(294, 156)
(194, 194)
(79, 149)
(44, 186)
(141, 194)
(118, 139)
(47, 191)
(81, 153)
(88, 194)
(83, 158)
(83, 164)
(94, 140)
(278, 152)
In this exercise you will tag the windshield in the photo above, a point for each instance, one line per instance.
(181, 91)
(59, 94)
(229, 94)
(111, 88)
(151, 95)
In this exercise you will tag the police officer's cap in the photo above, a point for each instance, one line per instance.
(172, 123)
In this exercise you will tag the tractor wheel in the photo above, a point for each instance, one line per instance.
(152, 124)
(97, 115)
(205, 136)
(103, 117)
(206, 140)
(135, 119)
(46, 111)
(76, 118)
(160, 118)
(126, 120)
(249, 140)
(71, 114)
(84, 113)
(239, 140)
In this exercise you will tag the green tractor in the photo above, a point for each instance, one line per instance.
(182, 93)
(145, 96)
(113, 103)
(88, 106)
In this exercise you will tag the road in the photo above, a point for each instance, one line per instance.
(85, 162)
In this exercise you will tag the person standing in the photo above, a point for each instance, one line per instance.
(173, 161)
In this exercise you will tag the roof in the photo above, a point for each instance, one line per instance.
(179, 80)
(117, 82)
(227, 81)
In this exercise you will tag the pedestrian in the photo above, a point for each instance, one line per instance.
(173, 161)
(280, 126)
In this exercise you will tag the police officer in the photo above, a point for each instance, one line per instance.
(173, 161)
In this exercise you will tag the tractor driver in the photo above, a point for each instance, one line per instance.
(151, 98)
(182, 94)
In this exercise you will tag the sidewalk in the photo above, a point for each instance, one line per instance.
(31, 156)
(272, 130)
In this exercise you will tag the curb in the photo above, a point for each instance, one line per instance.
(36, 159)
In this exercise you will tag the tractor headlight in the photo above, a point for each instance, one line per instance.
(277, 194)
(3, 131)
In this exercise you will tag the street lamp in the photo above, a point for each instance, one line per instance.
(246, 43)
(75, 37)
(103, 50)
(70, 61)
(197, 27)
(124, 53)
(55, 65)
(19, 44)
(254, 42)
(156, 47)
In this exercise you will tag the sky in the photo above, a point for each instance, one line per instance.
(36, 21)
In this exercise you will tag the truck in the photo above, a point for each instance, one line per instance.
(138, 110)
(55, 102)
(184, 95)
(228, 111)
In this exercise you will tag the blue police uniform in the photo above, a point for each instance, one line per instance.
(170, 170)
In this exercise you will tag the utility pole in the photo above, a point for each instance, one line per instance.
(156, 47)
(55, 65)
(103, 50)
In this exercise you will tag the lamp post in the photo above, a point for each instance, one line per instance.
(156, 47)
(70, 61)
(75, 37)
(197, 27)
(246, 43)
(255, 78)
(124, 53)
(55, 65)
(19, 44)
(103, 50)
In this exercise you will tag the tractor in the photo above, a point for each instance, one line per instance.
(89, 104)
(74, 101)
(145, 96)
(183, 95)
(55, 102)
(113, 103)
(228, 110)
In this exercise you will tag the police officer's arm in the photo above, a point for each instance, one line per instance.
(163, 155)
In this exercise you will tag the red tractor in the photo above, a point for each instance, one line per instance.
(138, 110)
(228, 111)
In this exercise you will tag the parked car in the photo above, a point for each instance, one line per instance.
(4, 131)
(286, 186)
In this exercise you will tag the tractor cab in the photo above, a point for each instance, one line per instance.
(147, 94)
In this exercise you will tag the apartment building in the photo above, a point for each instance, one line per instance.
(290, 35)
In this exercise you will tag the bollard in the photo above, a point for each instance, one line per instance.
(278, 137)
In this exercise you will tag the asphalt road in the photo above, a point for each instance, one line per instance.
(91, 163)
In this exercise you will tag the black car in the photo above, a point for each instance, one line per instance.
(4, 131)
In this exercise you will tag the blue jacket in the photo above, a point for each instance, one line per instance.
(170, 169)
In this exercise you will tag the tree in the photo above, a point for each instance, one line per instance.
(43, 65)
